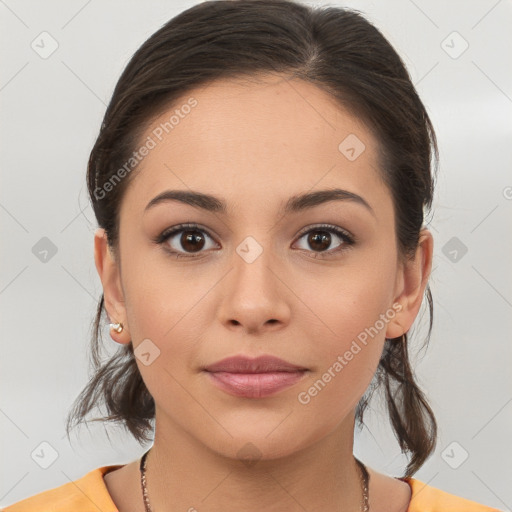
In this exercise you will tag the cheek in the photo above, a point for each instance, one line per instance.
(345, 301)
(160, 294)
(346, 363)
(168, 312)
(347, 321)
(168, 305)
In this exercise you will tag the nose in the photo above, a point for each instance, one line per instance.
(254, 296)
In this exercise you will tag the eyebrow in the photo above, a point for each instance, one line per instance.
(295, 204)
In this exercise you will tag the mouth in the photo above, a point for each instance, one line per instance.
(244, 364)
(254, 378)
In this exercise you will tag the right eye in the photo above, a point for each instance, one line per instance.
(184, 240)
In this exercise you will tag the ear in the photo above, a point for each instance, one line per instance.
(109, 272)
(412, 280)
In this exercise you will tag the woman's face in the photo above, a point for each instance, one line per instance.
(256, 278)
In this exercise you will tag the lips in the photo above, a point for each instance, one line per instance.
(254, 378)
(262, 364)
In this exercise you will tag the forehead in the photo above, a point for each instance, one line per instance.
(268, 136)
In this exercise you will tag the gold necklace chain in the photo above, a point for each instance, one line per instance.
(365, 478)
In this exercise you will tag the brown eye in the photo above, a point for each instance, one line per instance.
(319, 240)
(186, 240)
(192, 240)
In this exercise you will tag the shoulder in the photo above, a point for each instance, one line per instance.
(425, 498)
(83, 495)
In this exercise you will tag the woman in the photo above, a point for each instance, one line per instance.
(259, 181)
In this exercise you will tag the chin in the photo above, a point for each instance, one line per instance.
(267, 442)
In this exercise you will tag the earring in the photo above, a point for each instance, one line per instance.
(117, 327)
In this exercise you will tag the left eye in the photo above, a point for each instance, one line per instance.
(320, 238)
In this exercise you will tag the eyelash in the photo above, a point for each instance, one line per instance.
(348, 239)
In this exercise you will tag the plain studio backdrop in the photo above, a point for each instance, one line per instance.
(60, 62)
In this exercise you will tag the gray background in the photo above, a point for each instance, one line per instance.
(51, 109)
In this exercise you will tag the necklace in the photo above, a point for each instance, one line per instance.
(365, 506)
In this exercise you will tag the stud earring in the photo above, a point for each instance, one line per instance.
(117, 327)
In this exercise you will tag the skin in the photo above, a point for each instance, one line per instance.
(256, 144)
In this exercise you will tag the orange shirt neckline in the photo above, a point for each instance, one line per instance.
(90, 491)
(99, 473)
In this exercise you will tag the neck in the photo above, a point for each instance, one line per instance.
(323, 476)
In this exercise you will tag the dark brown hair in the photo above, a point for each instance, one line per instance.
(343, 54)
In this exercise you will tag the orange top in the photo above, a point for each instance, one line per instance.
(90, 493)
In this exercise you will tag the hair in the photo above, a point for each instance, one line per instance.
(343, 54)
